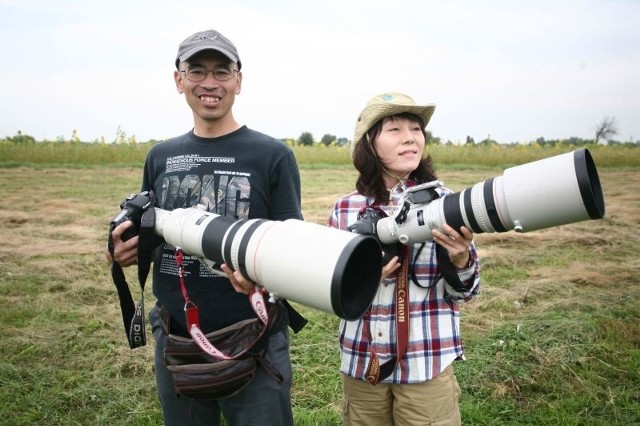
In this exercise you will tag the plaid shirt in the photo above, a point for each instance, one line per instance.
(434, 326)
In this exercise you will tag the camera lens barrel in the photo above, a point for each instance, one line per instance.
(312, 264)
(550, 192)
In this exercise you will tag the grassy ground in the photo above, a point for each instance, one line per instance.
(553, 339)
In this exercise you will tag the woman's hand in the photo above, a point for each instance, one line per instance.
(456, 243)
(390, 268)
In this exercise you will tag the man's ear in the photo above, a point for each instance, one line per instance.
(239, 85)
(178, 76)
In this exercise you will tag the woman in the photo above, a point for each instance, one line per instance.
(396, 363)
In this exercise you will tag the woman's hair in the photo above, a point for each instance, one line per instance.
(370, 180)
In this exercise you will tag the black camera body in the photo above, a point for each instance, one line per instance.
(367, 225)
(132, 209)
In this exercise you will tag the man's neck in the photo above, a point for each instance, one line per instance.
(215, 129)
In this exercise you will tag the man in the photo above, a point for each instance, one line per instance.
(233, 171)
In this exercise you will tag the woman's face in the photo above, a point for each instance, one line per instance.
(399, 146)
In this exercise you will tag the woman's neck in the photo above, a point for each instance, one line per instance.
(392, 180)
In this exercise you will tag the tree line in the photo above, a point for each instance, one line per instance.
(604, 133)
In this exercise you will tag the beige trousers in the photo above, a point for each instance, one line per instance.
(433, 403)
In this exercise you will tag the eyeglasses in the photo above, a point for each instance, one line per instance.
(197, 73)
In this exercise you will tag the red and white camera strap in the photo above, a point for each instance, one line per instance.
(193, 317)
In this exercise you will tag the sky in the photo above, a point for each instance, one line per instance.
(509, 70)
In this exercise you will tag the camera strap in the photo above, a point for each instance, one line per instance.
(448, 270)
(376, 371)
(133, 316)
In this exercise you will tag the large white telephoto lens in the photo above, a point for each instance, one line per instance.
(318, 266)
(550, 192)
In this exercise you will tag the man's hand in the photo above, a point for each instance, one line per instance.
(239, 282)
(124, 252)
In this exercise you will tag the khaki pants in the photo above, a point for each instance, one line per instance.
(433, 403)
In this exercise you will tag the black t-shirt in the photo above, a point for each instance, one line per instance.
(242, 175)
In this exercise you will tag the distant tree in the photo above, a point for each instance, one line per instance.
(121, 136)
(488, 141)
(306, 139)
(75, 138)
(606, 129)
(21, 138)
(574, 140)
(327, 139)
(342, 141)
(431, 140)
(470, 140)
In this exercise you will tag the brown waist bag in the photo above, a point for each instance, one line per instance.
(201, 376)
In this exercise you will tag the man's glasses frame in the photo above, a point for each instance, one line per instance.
(197, 73)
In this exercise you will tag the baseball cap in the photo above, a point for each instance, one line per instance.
(207, 40)
(384, 105)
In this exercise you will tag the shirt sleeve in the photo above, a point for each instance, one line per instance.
(285, 202)
(470, 275)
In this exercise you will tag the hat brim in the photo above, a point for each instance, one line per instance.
(374, 113)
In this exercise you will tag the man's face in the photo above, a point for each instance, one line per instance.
(210, 99)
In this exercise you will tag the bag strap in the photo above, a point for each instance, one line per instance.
(296, 320)
(192, 314)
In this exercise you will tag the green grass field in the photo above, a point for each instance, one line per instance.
(554, 338)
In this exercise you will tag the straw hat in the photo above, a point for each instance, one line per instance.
(385, 105)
